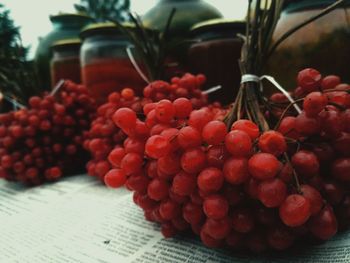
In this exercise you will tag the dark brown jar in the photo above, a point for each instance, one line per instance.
(65, 63)
(324, 44)
(215, 53)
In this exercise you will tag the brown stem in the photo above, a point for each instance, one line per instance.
(296, 179)
(285, 112)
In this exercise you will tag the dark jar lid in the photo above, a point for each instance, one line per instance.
(71, 19)
(299, 5)
(66, 44)
(106, 28)
(218, 28)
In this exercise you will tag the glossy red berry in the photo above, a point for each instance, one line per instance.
(295, 210)
(247, 126)
(272, 192)
(263, 166)
(214, 132)
(115, 178)
(272, 142)
(215, 206)
(238, 143)
(210, 179)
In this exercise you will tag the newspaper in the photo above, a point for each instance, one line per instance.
(80, 220)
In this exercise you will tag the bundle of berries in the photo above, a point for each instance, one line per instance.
(44, 141)
(240, 187)
(104, 135)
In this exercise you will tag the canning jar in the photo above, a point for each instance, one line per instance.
(65, 63)
(105, 63)
(323, 44)
(65, 26)
(215, 53)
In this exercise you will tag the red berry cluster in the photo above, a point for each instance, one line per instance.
(44, 141)
(105, 135)
(240, 187)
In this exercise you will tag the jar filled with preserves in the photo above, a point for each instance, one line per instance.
(65, 26)
(65, 63)
(215, 53)
(323, 44)
(105, 63)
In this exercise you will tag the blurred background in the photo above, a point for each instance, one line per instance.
(32, 16)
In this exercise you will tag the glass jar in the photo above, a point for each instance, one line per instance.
(323, 44)
(106, 66)
(65, 63)
(215, 53)
(65, 26)
(188, 13)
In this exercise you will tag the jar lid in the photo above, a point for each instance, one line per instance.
(66, 43)
(60, 16)
(108, 28)
(219, 23)
(97, 28)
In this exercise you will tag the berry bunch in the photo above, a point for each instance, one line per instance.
(44, 141)
(104, 135)
(240, 187)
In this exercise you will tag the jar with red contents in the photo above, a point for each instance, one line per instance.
(215, 53)
(106, 66)
(65, 63)
(323, 44)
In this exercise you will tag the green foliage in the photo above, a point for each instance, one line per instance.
(16, 75)
(101, 9)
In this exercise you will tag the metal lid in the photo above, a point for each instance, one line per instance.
(60, 16)
(97, 28)
(219, 23)
(67, 42)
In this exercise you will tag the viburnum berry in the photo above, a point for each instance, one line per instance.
(210, 179)
(242, 220)
(313, 196)
(183, 107)
(309, 80)
(183, 184)
(341, 169)
(324, 225)
(305, 163)
(169, 209)
(295, 210)
(314, 103)
(280, 237)
(330, 82)
(236, 170)
(131, 163)
(215, 207)
(165, 111)
(199, 118)
(157, 146)
(218, 229)
(247, 126)
(115, 178)
(189, 137)
(193, 160)
(272, 142)
(125, 118)
(158, 189)
(214, 132)
(272, 192)
(193, 213)
(238, 143)
(263, 166)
